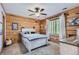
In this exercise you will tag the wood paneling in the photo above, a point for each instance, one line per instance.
(73, 13)
(22, 22)
(42, 26)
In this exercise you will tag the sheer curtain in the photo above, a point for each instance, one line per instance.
(62, 35)
(54, 26)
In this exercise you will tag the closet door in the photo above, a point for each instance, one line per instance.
(0, 37)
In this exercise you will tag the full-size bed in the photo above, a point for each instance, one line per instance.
(33, 40)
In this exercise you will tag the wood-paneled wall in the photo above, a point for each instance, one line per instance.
(73, 13)
(42, 26)
(22, 22)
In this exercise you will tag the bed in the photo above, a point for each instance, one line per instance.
(33, 40)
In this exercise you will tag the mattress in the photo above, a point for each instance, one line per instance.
(32, 37)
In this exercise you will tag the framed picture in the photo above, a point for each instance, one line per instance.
(14, 26)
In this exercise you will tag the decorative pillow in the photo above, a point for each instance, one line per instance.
(33, 32)
(26, 33)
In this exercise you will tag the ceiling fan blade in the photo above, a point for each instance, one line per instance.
(31, 14)
(43, 13)
(37, 9)
(41, 10)
(31, 10)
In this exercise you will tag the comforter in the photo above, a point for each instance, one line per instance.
(32, 37)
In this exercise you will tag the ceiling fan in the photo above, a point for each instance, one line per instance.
(37, 12)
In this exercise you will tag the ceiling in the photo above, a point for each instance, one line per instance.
(51, 9)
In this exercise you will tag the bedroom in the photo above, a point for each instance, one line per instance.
(45, 19)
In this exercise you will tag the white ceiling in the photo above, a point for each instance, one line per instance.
(51, 9)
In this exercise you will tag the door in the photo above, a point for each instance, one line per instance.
(0, 35)
(1, 30)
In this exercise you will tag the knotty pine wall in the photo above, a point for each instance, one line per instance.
(22, 22)
(42, 26)
(73, 13)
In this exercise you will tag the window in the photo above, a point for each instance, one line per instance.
(54, 27)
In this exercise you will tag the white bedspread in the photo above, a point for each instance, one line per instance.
(34, 36)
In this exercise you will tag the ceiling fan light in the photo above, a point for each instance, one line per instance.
(37, 14)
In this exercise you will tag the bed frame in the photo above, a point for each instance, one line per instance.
(35, 43)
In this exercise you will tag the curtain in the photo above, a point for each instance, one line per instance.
(54, 27)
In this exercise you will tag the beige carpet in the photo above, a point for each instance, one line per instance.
(19, 49)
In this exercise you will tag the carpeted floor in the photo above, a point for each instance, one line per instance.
(19, 49)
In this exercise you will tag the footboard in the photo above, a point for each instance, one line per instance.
(38, 43)
(27, 43)
(34, 43)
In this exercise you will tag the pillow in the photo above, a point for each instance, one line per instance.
(33, 32)
(26, 33)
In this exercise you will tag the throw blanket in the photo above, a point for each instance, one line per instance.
(32, 37)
